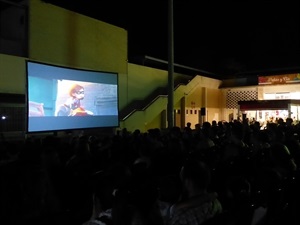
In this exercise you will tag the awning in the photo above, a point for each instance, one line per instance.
(280, 104)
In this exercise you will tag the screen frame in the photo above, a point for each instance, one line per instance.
(53, 123)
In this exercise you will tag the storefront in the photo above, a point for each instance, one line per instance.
(269, 98)
(270, 110)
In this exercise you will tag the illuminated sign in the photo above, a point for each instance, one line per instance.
(279, 79)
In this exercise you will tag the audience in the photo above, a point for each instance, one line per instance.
(208, 175)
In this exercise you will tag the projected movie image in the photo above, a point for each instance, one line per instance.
(61, 98)
(76, 98)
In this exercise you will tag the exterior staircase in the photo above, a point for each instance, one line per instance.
(140, 112)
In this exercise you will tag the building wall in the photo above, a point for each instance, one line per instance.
(205, 94)
(12, 74)
(60, 36)
(213, 105)
(278, 89)
(231, 97)
(142, 81)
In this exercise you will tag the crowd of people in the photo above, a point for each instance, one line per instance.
(218, 173)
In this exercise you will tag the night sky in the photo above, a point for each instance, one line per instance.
(226, 38)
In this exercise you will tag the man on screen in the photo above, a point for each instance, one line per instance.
(72, 107)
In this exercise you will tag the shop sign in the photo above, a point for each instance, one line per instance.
(263, 104)
(279, 79)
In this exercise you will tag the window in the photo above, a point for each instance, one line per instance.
(14, 27)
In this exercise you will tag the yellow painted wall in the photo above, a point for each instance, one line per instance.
(12, 74)
(205, 94)
(60, 36)
(142, 81)
(156, 123)
(194, 97)
(213, 98)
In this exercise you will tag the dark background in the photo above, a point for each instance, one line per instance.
(228, 38)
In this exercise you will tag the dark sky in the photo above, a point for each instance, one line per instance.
(226, 38)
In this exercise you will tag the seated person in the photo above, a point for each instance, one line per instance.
(197, 204)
